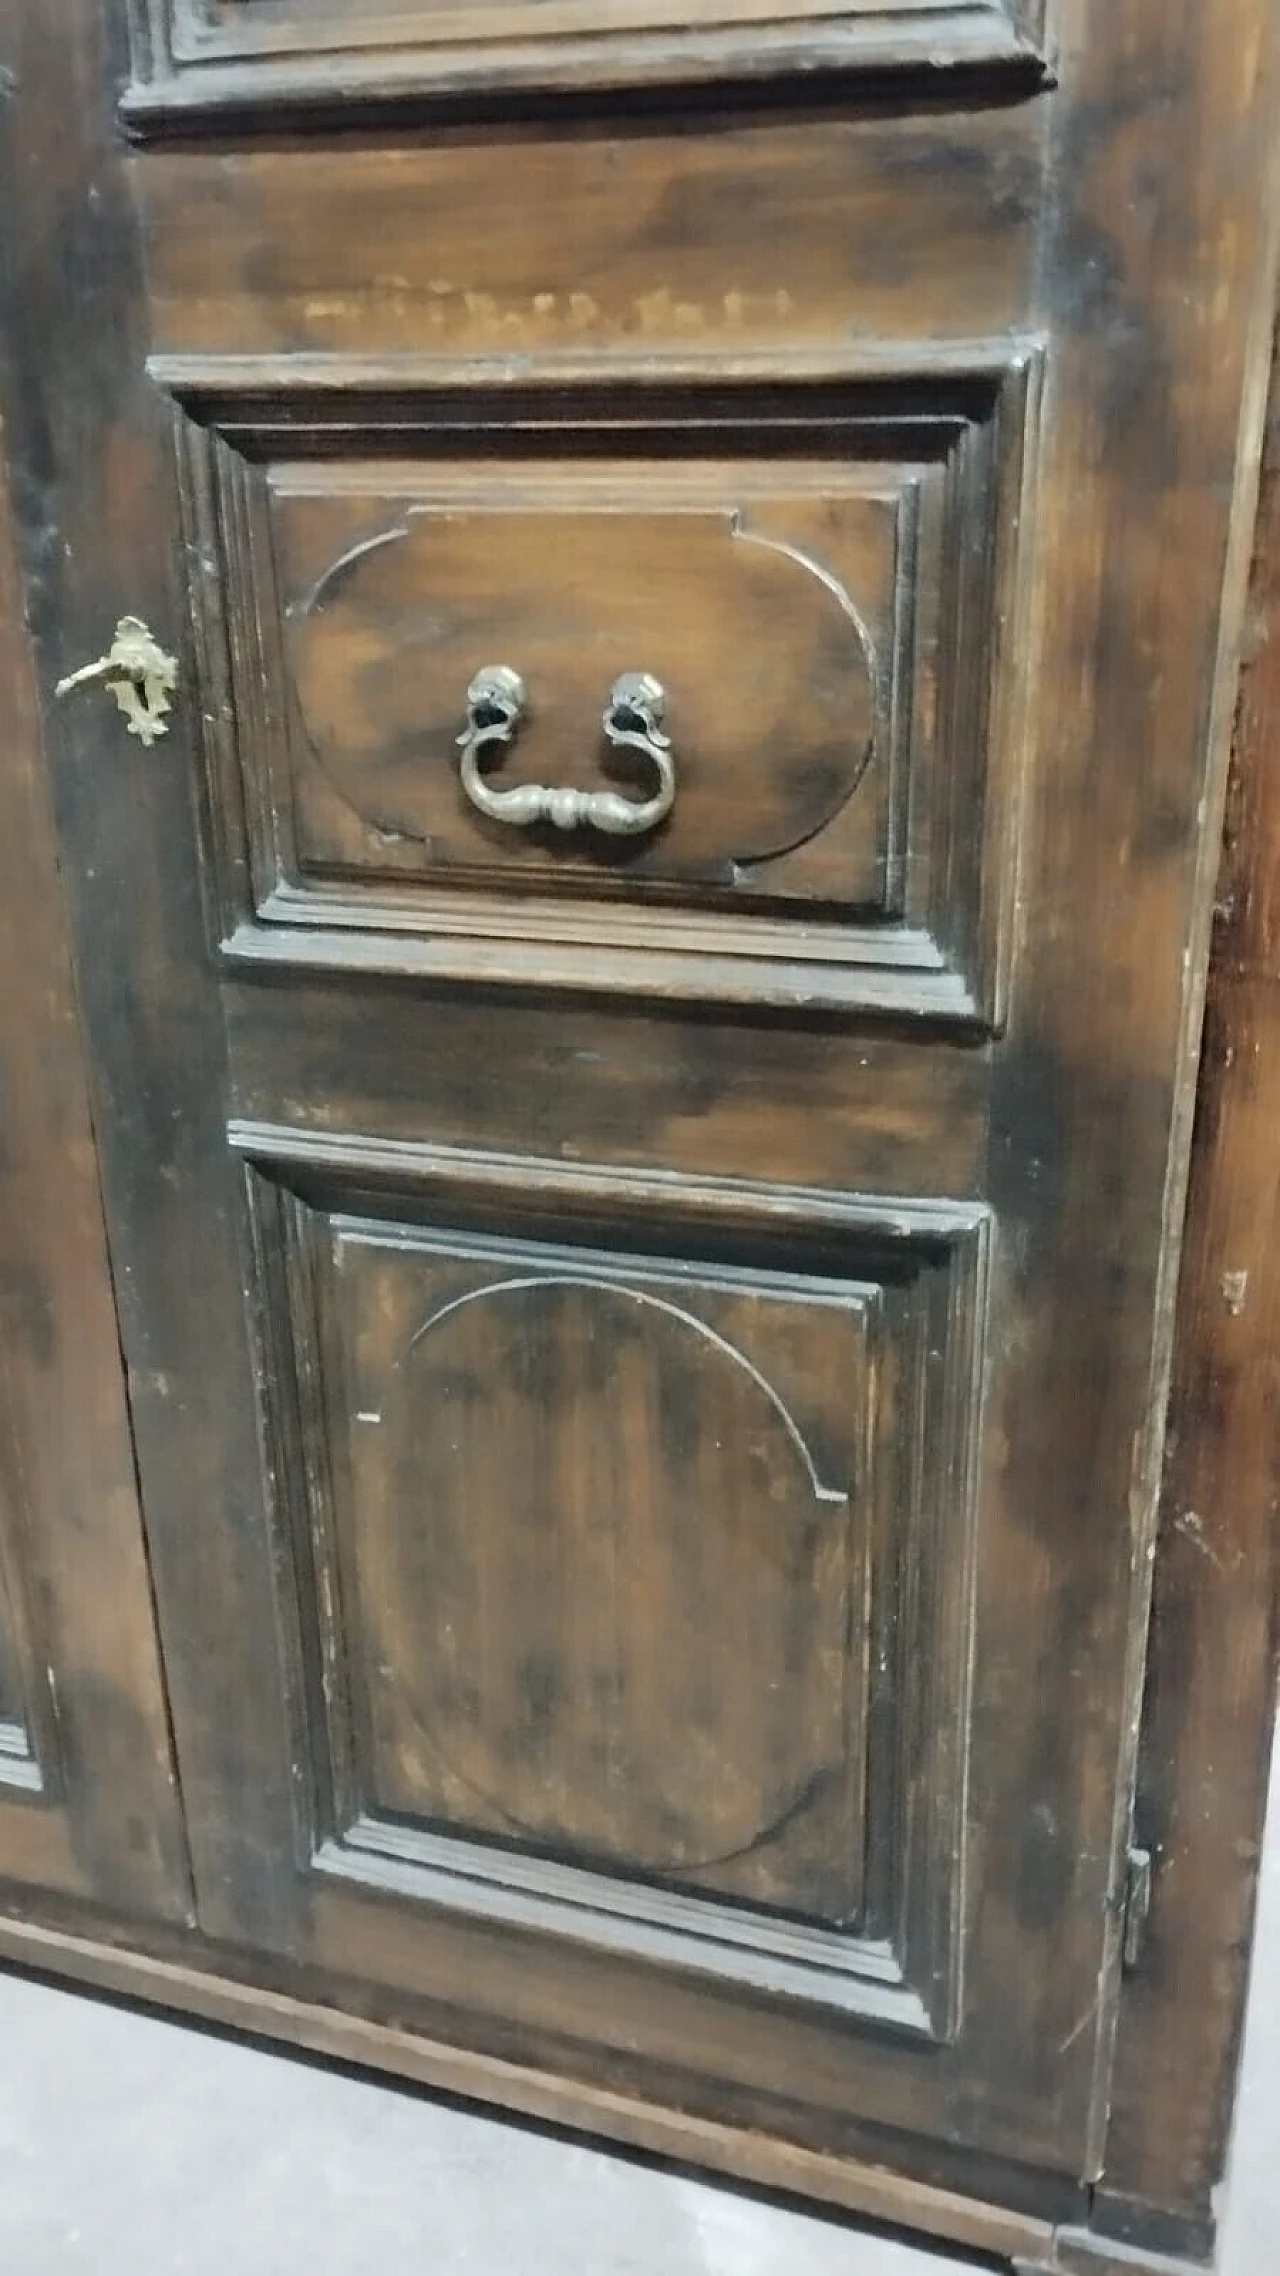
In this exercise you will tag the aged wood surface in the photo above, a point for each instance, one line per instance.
(1079, 2252)
(469, 1198)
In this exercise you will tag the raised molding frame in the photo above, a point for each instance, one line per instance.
(906, 1975)
(947, 960)
(189, 74)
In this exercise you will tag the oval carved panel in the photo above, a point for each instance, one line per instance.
(613, 1588)
(764, 654)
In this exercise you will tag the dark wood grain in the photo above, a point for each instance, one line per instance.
(1078, 2252)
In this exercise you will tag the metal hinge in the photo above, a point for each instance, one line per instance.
(1136, 1905)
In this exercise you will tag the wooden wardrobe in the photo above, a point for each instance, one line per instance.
(641, 1136)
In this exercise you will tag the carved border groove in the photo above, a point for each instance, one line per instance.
(690, 1320)
(735, 519)
(187, 74)
(903, 1968)
(944, 956)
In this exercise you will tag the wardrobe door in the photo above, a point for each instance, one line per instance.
(634, 677)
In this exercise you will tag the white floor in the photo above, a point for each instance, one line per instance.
(135, 2147)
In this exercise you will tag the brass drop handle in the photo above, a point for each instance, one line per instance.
(139, 675)
(632, 721)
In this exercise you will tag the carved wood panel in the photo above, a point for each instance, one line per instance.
(449, 313)
(381, 644)
(837, 637)
(214, 57)
(628, 1572)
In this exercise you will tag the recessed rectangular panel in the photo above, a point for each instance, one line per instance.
(218, 55)
(596, 1545)
(817, 793)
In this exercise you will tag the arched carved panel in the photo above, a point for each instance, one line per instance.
(637, 1584)
(29, 1747)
